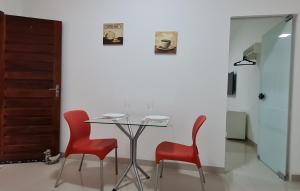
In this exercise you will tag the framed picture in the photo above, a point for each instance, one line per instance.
(166, 42)
(113, 33)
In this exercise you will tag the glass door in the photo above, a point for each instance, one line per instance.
(275, 67)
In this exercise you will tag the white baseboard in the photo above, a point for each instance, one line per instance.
(168, 164)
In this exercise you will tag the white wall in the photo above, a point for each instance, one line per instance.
(108, 78)
(13, 7)
(102, 79)
(244, 33)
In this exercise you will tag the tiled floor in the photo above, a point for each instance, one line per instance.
(247, 174)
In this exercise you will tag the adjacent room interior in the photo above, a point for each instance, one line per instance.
(259, 95)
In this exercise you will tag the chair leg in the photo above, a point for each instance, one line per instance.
(201, 175)
(202, 178)
(81, 163)
(116, 161)
(162, 168)
(156, 177)
(101, 175)
(60, 172)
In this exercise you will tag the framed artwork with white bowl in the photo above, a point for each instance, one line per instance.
(113, 33)
(166, 42)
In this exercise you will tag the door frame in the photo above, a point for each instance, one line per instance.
(294, 19)
(291, 81)
(2, 48)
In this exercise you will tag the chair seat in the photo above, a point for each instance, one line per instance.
(99, 147)
(173, 151)
(178, 152)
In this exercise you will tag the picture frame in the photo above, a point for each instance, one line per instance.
(166, 42)
(113, 33)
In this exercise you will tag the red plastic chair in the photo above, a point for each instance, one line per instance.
(179, 152)
(80, 142)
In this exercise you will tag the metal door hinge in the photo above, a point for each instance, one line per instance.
(288, 18)
(282, 176)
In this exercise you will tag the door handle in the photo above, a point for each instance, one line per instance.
(56, 89)
(261, 96)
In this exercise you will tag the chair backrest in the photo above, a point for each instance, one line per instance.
(198, 123)
(78, 128)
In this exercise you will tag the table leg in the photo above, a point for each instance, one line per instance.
(137, 177)
(122, 177)
(143, 172)
(129, 166)
(133, 157)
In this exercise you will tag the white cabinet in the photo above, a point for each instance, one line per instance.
(236, 125)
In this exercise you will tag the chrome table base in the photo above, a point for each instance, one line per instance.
(133, 155)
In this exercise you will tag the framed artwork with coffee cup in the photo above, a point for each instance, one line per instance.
(166, 42)
(113, 33)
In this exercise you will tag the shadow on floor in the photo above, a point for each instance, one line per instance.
(173, 180)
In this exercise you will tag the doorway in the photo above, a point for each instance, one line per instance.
(258, 103)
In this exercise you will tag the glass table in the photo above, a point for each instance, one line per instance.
(126, 125)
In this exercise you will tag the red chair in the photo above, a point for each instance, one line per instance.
(179, 152)
(80, 142)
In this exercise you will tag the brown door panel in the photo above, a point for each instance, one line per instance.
(13, 93)
(29, 129)
(16, 75)
(30, 70)
(27, 103)
(27, 111)
(30, 48)
(2, 40)
(29, 39)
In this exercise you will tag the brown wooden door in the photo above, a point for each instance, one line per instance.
(30, 70)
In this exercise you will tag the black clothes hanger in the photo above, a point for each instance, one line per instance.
(244, 59)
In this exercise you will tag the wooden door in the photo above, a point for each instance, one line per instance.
(30, 72)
